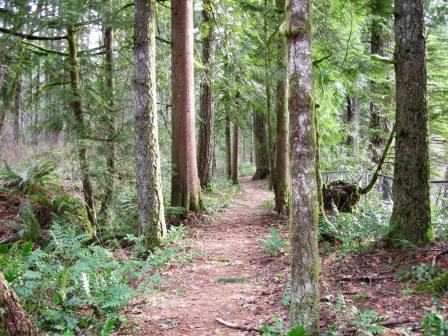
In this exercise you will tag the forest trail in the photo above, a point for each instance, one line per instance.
(194, 296)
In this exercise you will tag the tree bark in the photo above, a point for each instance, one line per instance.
(185, 186)
(149, 180)
(281, 186)
(281, 180)
(261, 148)
(15, 319)
(411, 215)
(206, 105)
(228, 149)
(17, 111)
(304, 189)
(235, 173)
(76, 107)
(109, 120)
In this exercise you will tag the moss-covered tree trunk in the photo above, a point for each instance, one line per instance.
(304, 188)
(228, 149)
(411, 215)
(185, 186)
(281, 186)
(205, 152)
(149, 181)
(14, 318)
(261, 147)
(78, 112)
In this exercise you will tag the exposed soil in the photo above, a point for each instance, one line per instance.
(192, 297)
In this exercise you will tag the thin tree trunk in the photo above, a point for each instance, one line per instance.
(17, 111)
(268, 89)
(109, 120)
(149, 180)
(281, 180)
(235, 173)
(378, 122)
(76, 107)
(206, 112)
(228, 149)
(411, 215)
(185, 186)
(304, 189)
(261, 148)
(15, 319)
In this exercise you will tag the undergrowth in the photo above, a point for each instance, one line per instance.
(218, 194)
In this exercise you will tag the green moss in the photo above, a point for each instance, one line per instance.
(232, 280)
(436, 286)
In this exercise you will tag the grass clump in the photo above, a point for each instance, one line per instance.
(273, 244)
(232, 280)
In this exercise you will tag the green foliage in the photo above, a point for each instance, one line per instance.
(437, 285)
(219, 193)
(278, 328)
(420, 273)
(32, 227)
(67, 278)
(34, 180)
(357, 230)
(273, 244)
(365, 322)
(435, 324)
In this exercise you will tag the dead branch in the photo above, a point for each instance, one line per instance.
(236, 326)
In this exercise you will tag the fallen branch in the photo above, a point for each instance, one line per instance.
(236, 326)
(366, 278)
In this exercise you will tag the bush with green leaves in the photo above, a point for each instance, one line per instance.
(435, 324)
(356, 230)
(273, 244)
(420, 273)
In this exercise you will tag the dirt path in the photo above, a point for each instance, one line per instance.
(193, 296)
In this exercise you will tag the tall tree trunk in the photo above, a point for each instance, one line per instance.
(304, 189)
(411, 215)
(261, 148)
(228, 149)
(76, 107)
(206, 104)
(281, 186)
(15, 319)
(109, 120)
(268, 89)
(235, 173)
(17, 111)
(149, 180)
(185, 187)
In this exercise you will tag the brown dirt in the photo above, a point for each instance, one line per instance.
(192, 298)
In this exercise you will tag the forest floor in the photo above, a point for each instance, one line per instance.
(234, 280)
(231, 279)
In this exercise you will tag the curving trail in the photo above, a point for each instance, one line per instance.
(192, 296)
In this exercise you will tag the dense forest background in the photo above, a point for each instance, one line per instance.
(122, 122)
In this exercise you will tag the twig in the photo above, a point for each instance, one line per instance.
(394, 323)
(236, 326)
